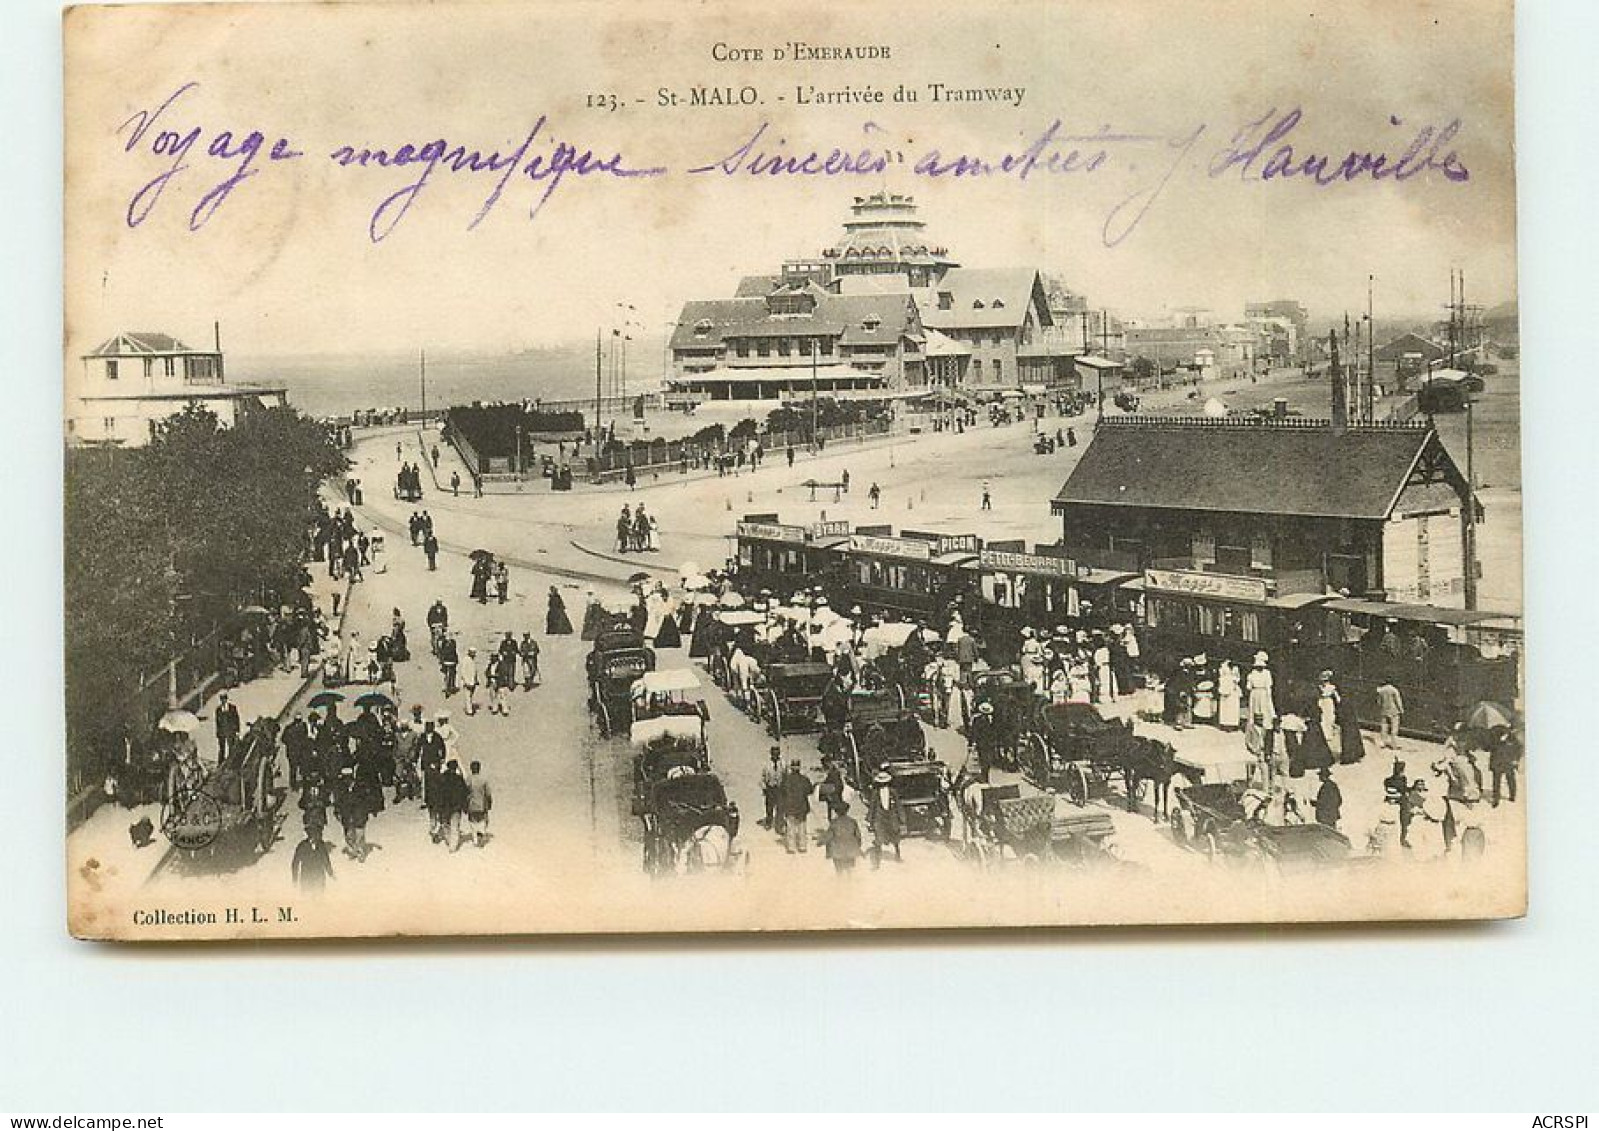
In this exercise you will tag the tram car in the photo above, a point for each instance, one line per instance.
(617, 660)
(1443, 661)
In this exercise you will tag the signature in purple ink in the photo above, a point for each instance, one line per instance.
(177, 147)
(1262, 150)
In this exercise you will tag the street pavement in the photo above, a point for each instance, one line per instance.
(564, 839)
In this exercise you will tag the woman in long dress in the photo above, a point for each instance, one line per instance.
(1262, 705)
(1228, 696)
(593, 616)
(556, 622)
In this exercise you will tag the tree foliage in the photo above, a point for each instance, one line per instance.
(165, 543)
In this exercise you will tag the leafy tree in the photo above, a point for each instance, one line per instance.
(167, 542)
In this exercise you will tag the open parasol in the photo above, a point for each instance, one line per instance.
(1486, 715)
(890, 635)
(479, 555)
(253, 611)
(638, 578)
(374, 699)
(731, 601)
(179, 722)
(325, 699)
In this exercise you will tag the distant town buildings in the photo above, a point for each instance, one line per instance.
(1284, 328)
(136, 379)
(885, 310)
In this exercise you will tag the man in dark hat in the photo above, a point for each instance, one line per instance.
(227, 722)
(771, 783)
(794, 797)
(312, 865)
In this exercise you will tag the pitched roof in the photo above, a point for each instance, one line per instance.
(757, 286)
(1410, 343)
(839, 316)
(1251, 466)
(983, 298)
(140, 343)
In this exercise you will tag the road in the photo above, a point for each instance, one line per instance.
(566, 851)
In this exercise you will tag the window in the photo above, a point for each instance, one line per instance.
(871, 323)
(111, 369)
(109, 424)
(999, 370)
(782, 347)
(998, 304)
(764, 348)
(702, 328)
(827, 347)
(169, 365)
(149, 368)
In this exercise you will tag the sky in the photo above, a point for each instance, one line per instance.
(287, 262)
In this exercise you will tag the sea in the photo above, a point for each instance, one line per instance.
(326, 385)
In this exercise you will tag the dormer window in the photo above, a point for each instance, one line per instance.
(871, 323)
(946, 300)
(999, 304)
(977, 304)
(702, 327)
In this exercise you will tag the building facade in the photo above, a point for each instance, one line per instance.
(1260, 512)
(885, 308)
(135, 380)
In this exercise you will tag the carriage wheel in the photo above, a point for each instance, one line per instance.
(855, 760)
(1212, 849)
(1035, 759)
(1182, 827)
(1077, 784)
(604, 715)
(774, 716)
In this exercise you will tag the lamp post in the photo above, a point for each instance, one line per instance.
(519, 452)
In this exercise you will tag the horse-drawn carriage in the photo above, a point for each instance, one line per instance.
(619, 657)
(1230, 820)
(1016, 707)
(1015, 821)
(868, 729)
(913, 797)
(674, 694)
(689, 823)
(1077, 751)
(790, 700)
(1074, 749)
(231, 814)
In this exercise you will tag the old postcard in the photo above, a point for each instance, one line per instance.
(576, 467)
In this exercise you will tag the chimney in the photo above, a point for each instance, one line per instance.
(1340, 390)
(216, 341)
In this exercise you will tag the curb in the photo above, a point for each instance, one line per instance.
(619, 560)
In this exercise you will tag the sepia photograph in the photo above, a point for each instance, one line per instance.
(562, 469)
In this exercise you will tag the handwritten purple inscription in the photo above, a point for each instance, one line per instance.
(1267, 150)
